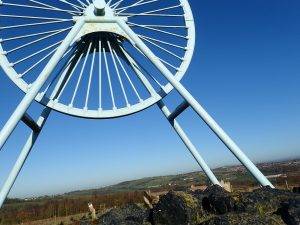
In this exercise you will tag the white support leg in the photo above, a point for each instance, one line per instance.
(38, 84)
(231, 145)
(36, 129)
(175, 124)
(22, 108)
(23, 156)
(191, 147)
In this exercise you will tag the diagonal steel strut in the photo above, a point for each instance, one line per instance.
(214, 126)
(38, 84)
(190, 146)
(20, 113)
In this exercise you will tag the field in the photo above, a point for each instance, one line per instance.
(63, 208)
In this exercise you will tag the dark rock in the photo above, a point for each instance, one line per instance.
(147, 223)
(198, 194)
(217, 200)
(130, 214)
(133, 223)
(112, 217)
(85, 223)
(214, 206)
(214, 189)
(290, 212)
(217, 221)
(263, 200)
(296, 190)
(129, 223)
(177, 208)
(244, 219)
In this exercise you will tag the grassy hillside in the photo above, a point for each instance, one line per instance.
(237, 175)
(16, 211)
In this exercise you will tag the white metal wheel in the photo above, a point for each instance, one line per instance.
(97, 75)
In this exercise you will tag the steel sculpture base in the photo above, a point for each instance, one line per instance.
(189, 101)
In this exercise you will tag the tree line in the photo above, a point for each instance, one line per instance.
(20, 211)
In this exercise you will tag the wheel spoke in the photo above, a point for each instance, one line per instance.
(36, 53)
(128, 15)
(90, 80)
(38, 7)
(80, 75)
(35, 41)
(157, 10)
(37, 63)
(162, 42)
(139, 3)
(135, 67)
(118, 73)
(128, 78)
(35, 24)
(109, 79)
(78, 8)
(70, 74)
(114, 6)
(32, 17)
(161, 26)
(62, 77)
(162, 48)
(100, 74)
(31, 35)
(43, 4)
(81, 3)
(158, 30)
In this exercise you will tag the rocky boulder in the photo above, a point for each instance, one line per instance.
(131, 214)
(290, 211)
(244, 219)
(214, 206)
(216, 200)
(177, 208)
(263, 200)
(296, 190)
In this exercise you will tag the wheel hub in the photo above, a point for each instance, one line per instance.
(99, 18)
(99, 9)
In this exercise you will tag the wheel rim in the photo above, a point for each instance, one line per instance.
(97, 72)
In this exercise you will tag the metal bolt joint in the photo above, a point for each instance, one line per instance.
(99, 7)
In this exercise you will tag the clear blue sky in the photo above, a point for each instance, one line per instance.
(245, 71)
